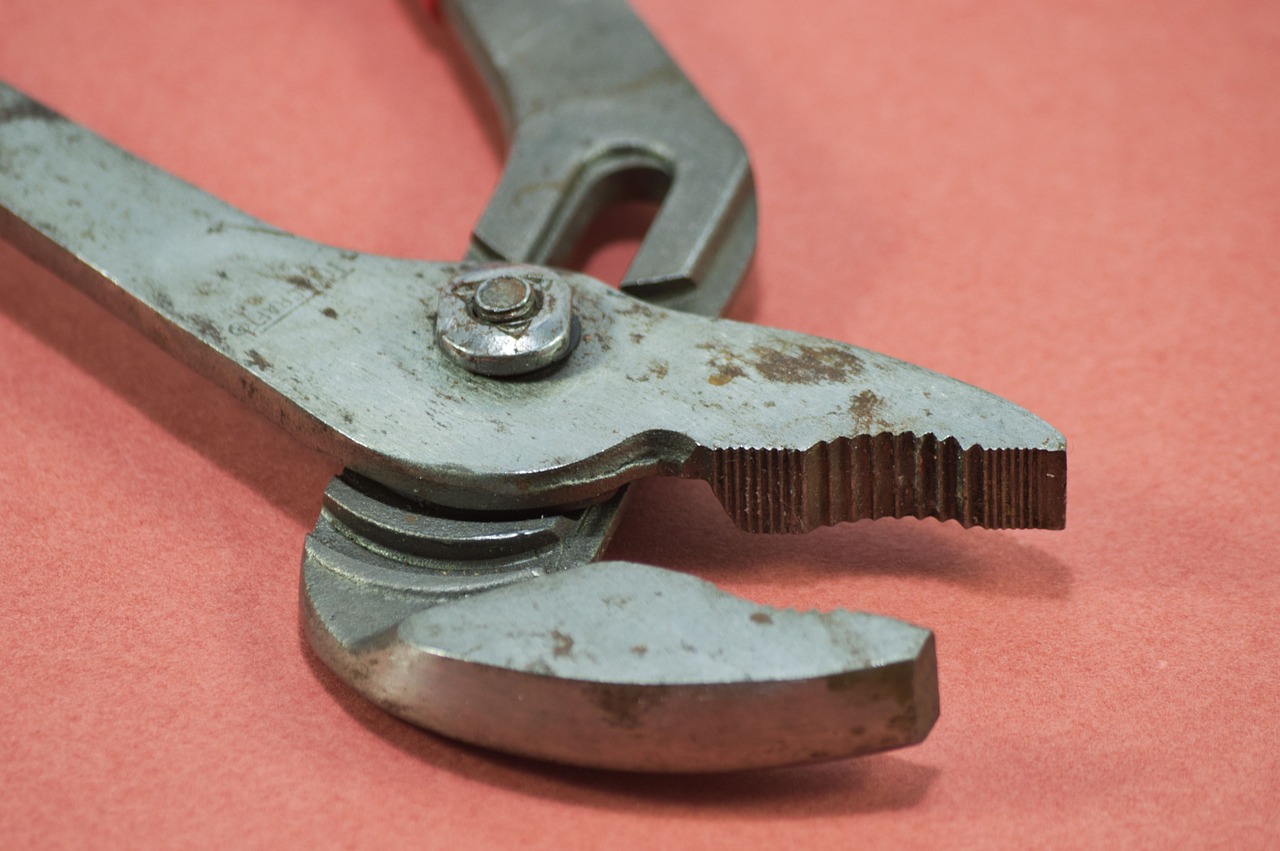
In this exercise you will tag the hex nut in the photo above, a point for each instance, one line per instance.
(505, 320)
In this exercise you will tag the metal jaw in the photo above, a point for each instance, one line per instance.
(491, 415)
(597, 112)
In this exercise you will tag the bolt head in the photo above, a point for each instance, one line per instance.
(505, 320)
(505, 298)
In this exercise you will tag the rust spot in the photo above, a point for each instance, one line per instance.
(258, 361)
(795, 365)
(638, 308)
(561, 644)
(625, 705)
(724, 373)
(810, 365)
(330, 312)
(640, 649)
(657, 369)
(207, 329)
(864, 408)
(761, 618)
(302, 282)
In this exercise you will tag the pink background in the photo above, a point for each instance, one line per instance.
(1073, 204)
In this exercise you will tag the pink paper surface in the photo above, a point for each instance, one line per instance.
(1075, 205)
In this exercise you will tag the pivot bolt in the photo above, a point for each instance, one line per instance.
(504, 299)
(506, 320)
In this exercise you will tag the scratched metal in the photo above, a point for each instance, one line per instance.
(625, 666)
(561, 63)
(483, 623)
(597, 112)
(533, 341)
(337, 347)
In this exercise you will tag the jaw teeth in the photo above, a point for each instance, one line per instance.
(888, 475)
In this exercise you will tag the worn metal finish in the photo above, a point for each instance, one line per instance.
(786, 427)
(621, 665)
(503, 298)
(445, 577)
(379, 519)
(647, 125)
(597, 111)
(505, 320)
(378, 546)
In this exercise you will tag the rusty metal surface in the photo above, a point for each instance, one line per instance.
(448, 567)
(337, 346)
(526, 325)
(620, 665)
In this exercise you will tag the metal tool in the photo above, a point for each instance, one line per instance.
(490, 414)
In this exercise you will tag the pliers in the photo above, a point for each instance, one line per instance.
(491, 413)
